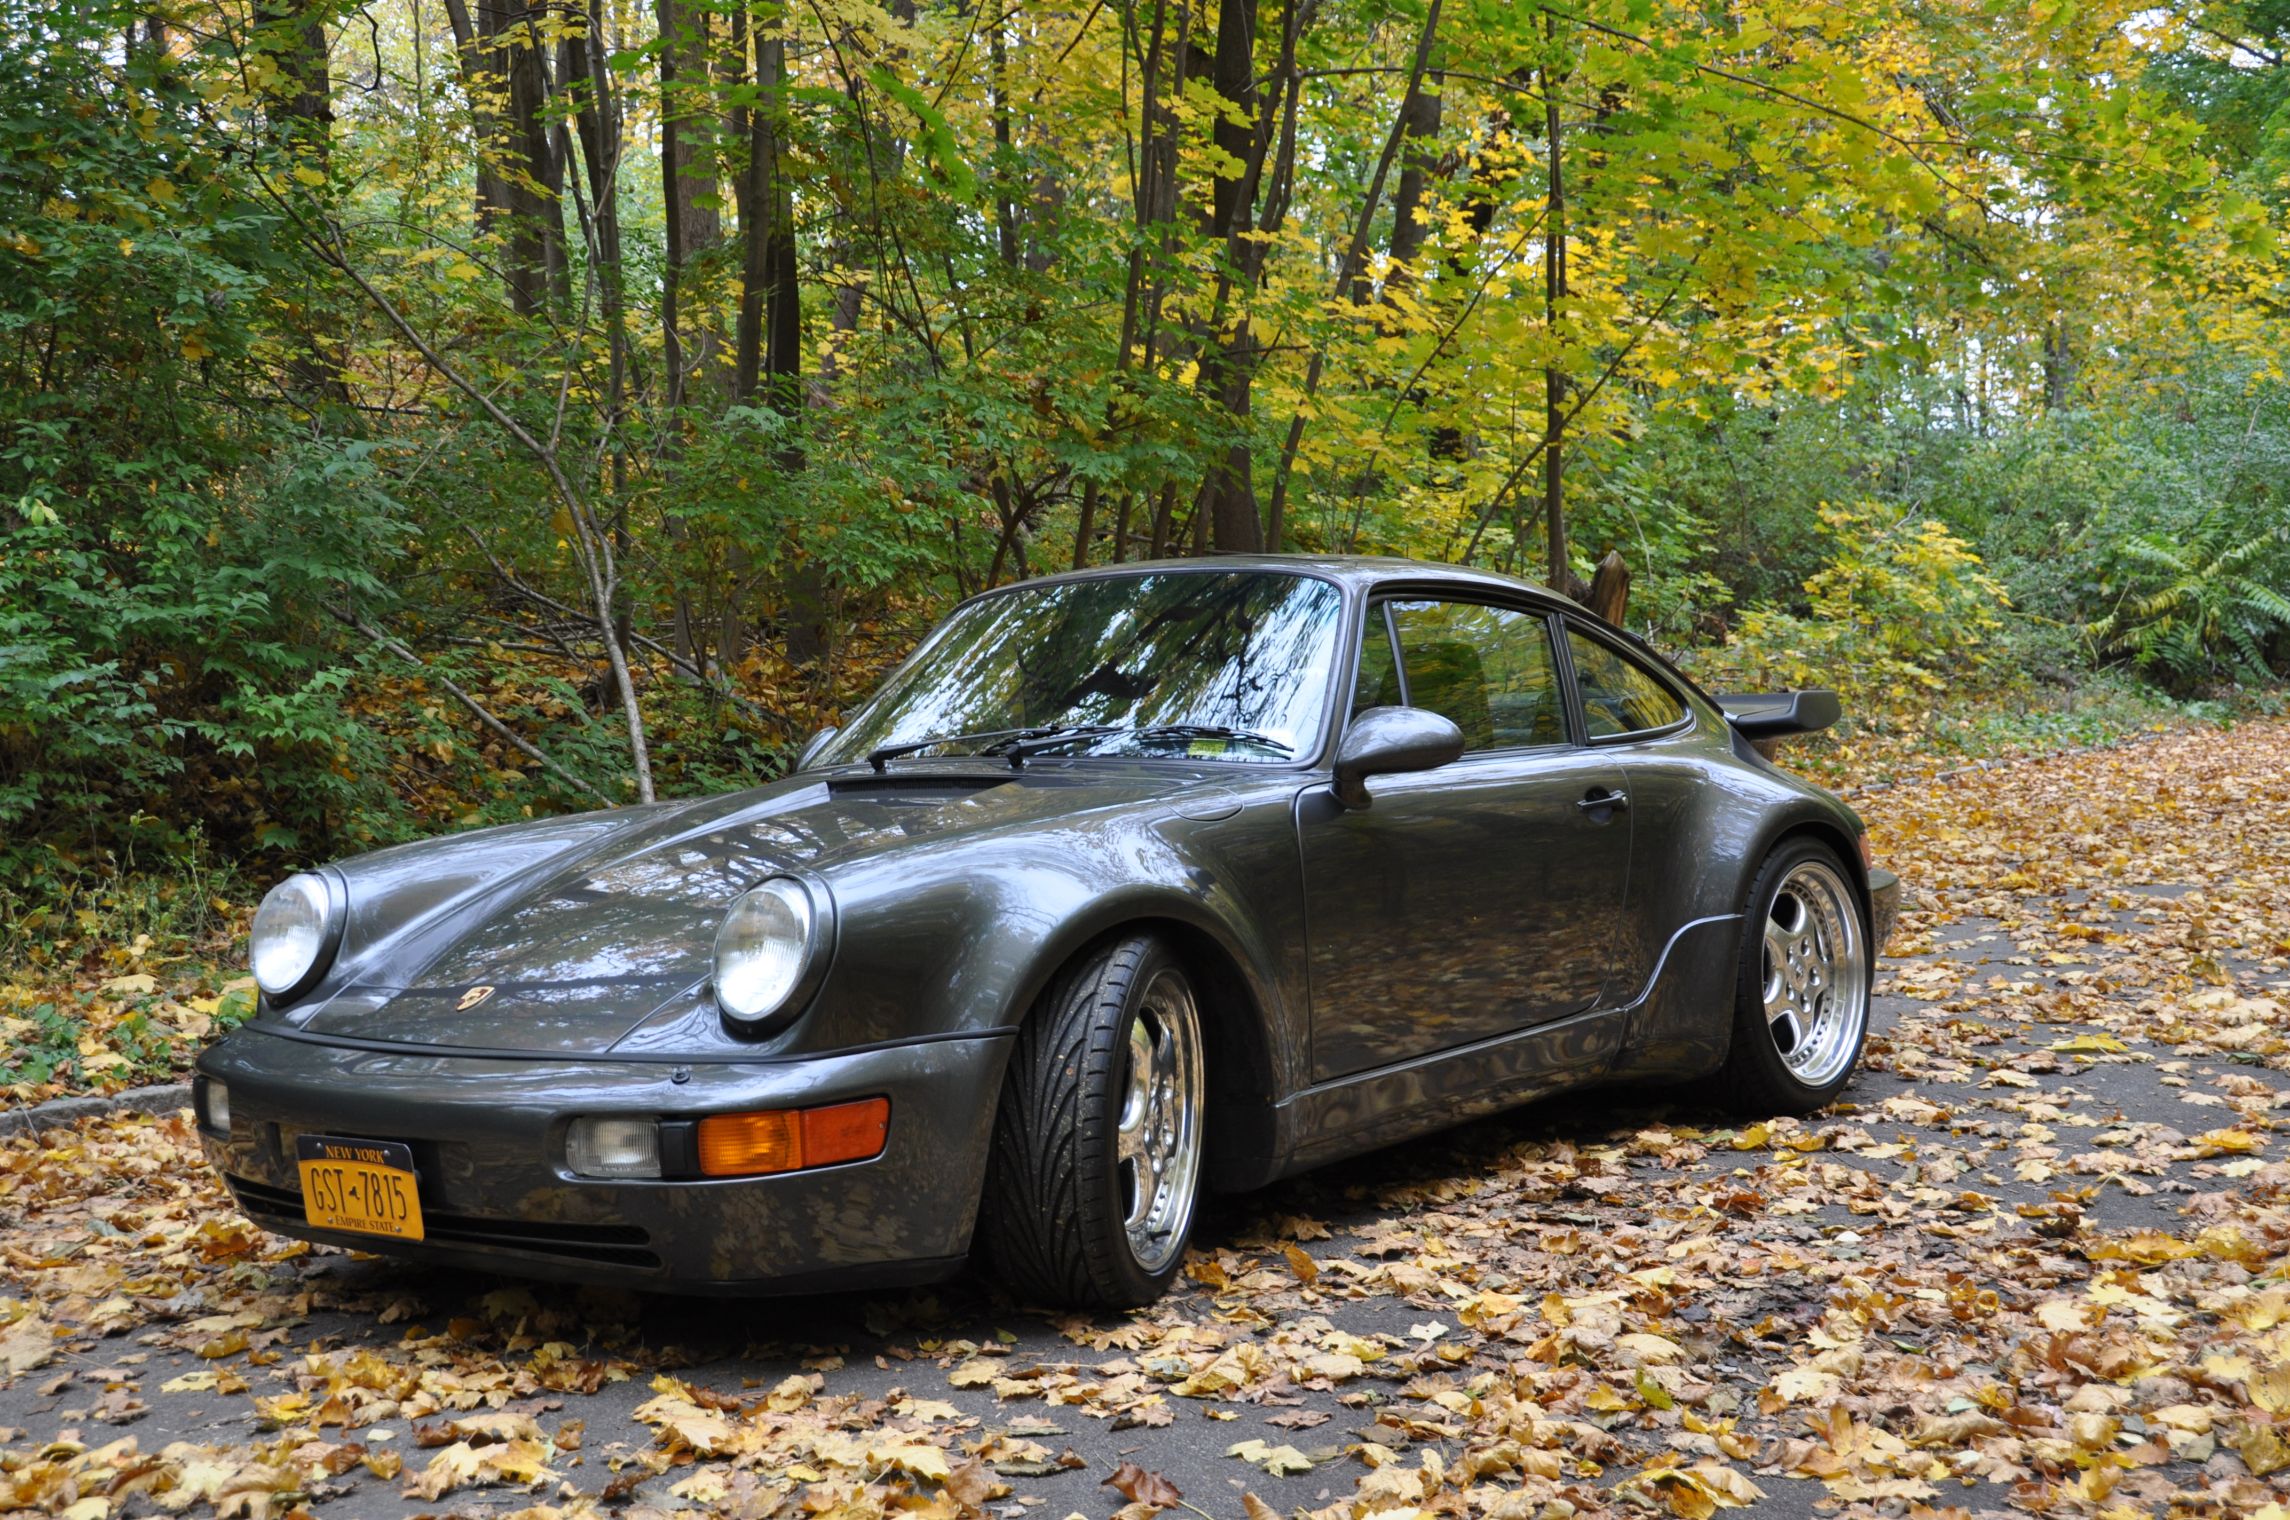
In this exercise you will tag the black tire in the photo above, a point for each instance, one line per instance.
(1057, 1213)
(1760, 1077)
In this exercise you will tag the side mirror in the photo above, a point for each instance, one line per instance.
(813, 745)
(1386, 740)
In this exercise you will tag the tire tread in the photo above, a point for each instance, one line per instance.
(1045, 1223)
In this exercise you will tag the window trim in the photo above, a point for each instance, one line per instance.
(1380, 603)
(1684, 722)
(1374, 611)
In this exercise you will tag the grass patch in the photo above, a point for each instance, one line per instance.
(1882, 748)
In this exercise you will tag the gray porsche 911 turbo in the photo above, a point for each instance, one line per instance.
(1129, 882)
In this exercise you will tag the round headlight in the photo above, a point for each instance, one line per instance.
(764, 948)
(293, 934)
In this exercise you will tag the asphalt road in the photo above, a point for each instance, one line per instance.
(1974, 1115)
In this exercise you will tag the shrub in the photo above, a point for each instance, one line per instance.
(1901, 610)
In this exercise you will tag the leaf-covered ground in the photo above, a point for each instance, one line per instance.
(2040, 1262)
(86, 1012)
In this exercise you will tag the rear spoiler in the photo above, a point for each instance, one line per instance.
(1762, 717)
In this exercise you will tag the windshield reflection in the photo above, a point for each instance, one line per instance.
(1247, 651)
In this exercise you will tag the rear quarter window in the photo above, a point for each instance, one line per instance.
(1619, 695)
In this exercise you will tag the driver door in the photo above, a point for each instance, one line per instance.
(1479, 898)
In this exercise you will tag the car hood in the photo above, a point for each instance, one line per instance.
(570, 955)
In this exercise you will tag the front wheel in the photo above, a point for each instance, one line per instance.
(1097, 1143)
(1801, 1003)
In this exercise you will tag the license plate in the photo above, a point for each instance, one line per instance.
(362, 1186)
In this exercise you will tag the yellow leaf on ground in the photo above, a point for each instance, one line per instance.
(1279, 1461)
(2091, 1045)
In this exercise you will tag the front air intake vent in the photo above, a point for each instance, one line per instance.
(925, 787)
(617, 1245)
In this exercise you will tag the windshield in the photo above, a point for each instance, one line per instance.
(1211, 665)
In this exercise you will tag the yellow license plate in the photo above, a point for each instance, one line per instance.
(362, 1186)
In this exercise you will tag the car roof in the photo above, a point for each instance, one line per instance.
(1355, 570)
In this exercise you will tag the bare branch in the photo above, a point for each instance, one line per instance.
(1582, 401)
(688, 666)
(477, 709)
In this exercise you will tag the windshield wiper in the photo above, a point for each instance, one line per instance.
(1048, 736)
(880, 758)
(990, 741)
(1188, 731)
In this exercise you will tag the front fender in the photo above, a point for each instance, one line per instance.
(955, 937)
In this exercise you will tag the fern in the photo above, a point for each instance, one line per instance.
(2198, 609)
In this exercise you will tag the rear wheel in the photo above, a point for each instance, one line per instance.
(1801, 1003)
(1097, 1144)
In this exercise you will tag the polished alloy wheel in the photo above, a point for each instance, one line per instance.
(1816, 973)
(1159, 1141)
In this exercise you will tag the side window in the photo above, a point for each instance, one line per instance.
(1378, 685)
(1489, 669)
(1619, 696)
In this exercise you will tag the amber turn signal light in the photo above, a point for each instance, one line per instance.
(789, 1140)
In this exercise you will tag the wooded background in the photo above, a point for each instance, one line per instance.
(436, 411)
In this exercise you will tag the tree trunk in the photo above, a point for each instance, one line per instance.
(1158, 188)
(1554, 300)
(2059, 366)
(1154, 127)
(1226, 506)
(588, 74)
(691, 346)
(770, 313)
(298, 112)
(1480, 197)
(598, 120)
(299, 105)
(480, 62)
(1233, 74)
(770, 367)
(1417, 165)
(860, 222)
(690, 350)
(520, 173)
(1005, 154)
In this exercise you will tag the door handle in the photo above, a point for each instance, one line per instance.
(1600, 798)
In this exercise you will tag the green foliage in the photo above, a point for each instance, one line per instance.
(1901, 609)
(49, 1049)
(114, 977)
(164, 544)
(2206, 608)
(328, 409)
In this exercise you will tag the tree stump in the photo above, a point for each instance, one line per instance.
(1609, 588)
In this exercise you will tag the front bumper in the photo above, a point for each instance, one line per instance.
(488, 1136)
(1884, 906)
